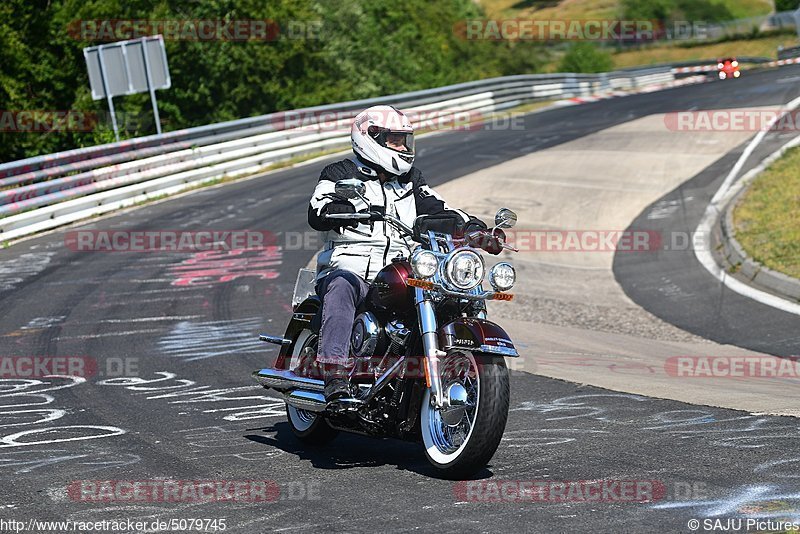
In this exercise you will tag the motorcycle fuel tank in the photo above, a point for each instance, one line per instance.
(389, 293)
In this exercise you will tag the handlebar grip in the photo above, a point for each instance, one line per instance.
(349, 216)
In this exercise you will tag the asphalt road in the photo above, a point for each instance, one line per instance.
(185, 324)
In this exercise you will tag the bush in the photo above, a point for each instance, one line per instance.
(585, 57)
(667, 11)
(786, 5)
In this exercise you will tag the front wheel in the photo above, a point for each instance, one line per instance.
(460, 441)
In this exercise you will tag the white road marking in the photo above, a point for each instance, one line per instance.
(151, 319)
(15, 270)
(196, 341)
(726, 191)
(110, 334)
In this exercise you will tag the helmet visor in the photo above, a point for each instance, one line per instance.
(401, 142)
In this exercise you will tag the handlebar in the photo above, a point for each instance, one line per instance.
(349, 216)
(479, 239)
(372, 216)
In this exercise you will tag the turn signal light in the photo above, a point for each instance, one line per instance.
(422, 284)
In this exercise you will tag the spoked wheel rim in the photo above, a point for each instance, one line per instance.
(444, 438)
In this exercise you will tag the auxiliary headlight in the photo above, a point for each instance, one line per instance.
(424, 263)
(464, 269)
(502, 276)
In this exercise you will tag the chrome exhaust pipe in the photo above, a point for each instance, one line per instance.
(274, 339)
(310, 401)
(284, 381)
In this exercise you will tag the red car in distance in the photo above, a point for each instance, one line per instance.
(728, 69)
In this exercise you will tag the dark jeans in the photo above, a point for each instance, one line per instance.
(341, 293)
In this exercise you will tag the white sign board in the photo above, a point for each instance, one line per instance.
(126, 68)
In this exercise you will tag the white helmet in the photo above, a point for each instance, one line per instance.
(383, 136)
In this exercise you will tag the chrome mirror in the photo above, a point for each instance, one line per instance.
(505, 218)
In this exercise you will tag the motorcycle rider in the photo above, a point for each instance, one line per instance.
(382, 138)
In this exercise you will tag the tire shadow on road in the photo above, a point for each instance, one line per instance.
(350, 451)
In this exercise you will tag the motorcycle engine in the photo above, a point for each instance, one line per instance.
(368, 338)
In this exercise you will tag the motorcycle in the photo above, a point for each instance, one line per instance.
(426, 365)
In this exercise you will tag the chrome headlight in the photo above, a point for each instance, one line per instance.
(502, 276)
(424, 263)
(464, 269)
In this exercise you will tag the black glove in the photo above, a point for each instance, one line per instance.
(337, 207)
(474, 224)
(494, 243)
(488, 241)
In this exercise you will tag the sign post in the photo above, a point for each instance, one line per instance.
(151, 89)
(101, 65)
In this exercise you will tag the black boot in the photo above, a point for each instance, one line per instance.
(337, 385)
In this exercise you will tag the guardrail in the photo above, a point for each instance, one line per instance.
(789, 53)
(48, 191)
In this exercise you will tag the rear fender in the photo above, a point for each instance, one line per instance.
(302, 318)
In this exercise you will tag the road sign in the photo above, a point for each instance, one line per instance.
(126, 68)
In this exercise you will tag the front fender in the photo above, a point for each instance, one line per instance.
(478, 335)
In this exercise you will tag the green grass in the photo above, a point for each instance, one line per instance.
(767, 218)
(741, 9)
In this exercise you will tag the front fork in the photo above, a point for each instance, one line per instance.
(430, 345)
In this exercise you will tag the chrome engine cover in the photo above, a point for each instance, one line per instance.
(368, 338)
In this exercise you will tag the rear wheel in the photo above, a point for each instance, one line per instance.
(461, 440)
(307, 426)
